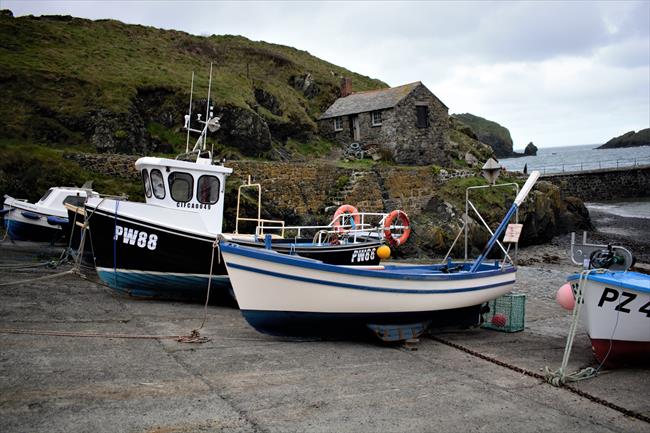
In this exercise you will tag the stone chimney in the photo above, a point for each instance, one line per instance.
(346, 86)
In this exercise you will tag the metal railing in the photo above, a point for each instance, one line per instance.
(591, 165)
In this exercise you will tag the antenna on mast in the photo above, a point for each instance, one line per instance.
(188, 117)
(210, 123)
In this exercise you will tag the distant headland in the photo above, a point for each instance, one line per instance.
(629, 139)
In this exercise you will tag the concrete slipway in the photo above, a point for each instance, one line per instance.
(243, 381)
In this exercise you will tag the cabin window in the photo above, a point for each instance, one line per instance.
(181, 186)
(338, 124)
(157, 183)
(208, 189)
(146, 182)
(376, 118)
(422, 112)
(49, 191)
(75, 200)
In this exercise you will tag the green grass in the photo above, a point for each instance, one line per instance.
(316, 148)
(357, 164)
(66, 69)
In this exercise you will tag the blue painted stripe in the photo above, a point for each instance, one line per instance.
(418, 272)
(365, 288)
(162, 285)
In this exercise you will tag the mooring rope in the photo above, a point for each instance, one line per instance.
(560, 376)
(542, 378)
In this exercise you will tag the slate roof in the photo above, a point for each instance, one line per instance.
(371, 100)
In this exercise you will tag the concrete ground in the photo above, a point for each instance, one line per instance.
(244, 381)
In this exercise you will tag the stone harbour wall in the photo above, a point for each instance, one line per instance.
(604, 185)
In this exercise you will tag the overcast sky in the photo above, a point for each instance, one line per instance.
(555, 73)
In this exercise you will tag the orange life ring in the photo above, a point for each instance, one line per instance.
(345, 209)
(388, 223)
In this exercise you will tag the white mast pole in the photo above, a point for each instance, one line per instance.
(207, 108)
(189, 120)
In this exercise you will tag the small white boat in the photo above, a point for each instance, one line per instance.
(616, 314)
(45, 220)
(288, 295)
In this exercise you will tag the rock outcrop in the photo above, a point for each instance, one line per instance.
(629, 139)
(530, 150)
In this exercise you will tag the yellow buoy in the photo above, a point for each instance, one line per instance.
(383, 252)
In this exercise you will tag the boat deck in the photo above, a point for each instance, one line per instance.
(243, 381)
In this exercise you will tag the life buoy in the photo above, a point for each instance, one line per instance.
(345, 209)
(388, 223)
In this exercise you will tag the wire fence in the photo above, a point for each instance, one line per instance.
(590, 165)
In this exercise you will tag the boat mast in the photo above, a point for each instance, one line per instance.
(188, 117)
(210, 123)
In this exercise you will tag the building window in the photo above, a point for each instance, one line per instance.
(157, 183)
(338, 124)
(181, 186)
(376, 118)
(208, 189)
(422, 112)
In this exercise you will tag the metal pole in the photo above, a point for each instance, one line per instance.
(466, 220)
(207, 108)
(187, 142)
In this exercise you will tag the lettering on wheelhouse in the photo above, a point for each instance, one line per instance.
(135, 237)
(193, 205)
(363, 255)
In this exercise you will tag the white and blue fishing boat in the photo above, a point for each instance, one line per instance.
(288, 295)
(47, 219)
(616, 315)
(615, 303)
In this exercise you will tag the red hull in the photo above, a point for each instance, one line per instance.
(622, 352)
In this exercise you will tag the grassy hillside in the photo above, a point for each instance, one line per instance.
(62, 76)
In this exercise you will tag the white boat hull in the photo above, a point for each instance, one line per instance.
(272, 289)
(616, 315)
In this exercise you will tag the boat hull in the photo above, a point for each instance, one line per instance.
(21, 228)
(616, 315)
(277, 293)
(145, 259)
(152, 260)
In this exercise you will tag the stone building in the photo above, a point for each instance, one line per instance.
(407, 122)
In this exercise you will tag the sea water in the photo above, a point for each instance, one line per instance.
(631, 208)
(587, 157)
(579, 158)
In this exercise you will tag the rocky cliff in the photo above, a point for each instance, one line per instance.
(629, 139)
(489, 132)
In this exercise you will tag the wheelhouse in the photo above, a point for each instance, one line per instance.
(185, 185)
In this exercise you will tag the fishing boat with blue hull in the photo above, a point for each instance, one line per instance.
(288, 295)
(46, 220)
(162, 248)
